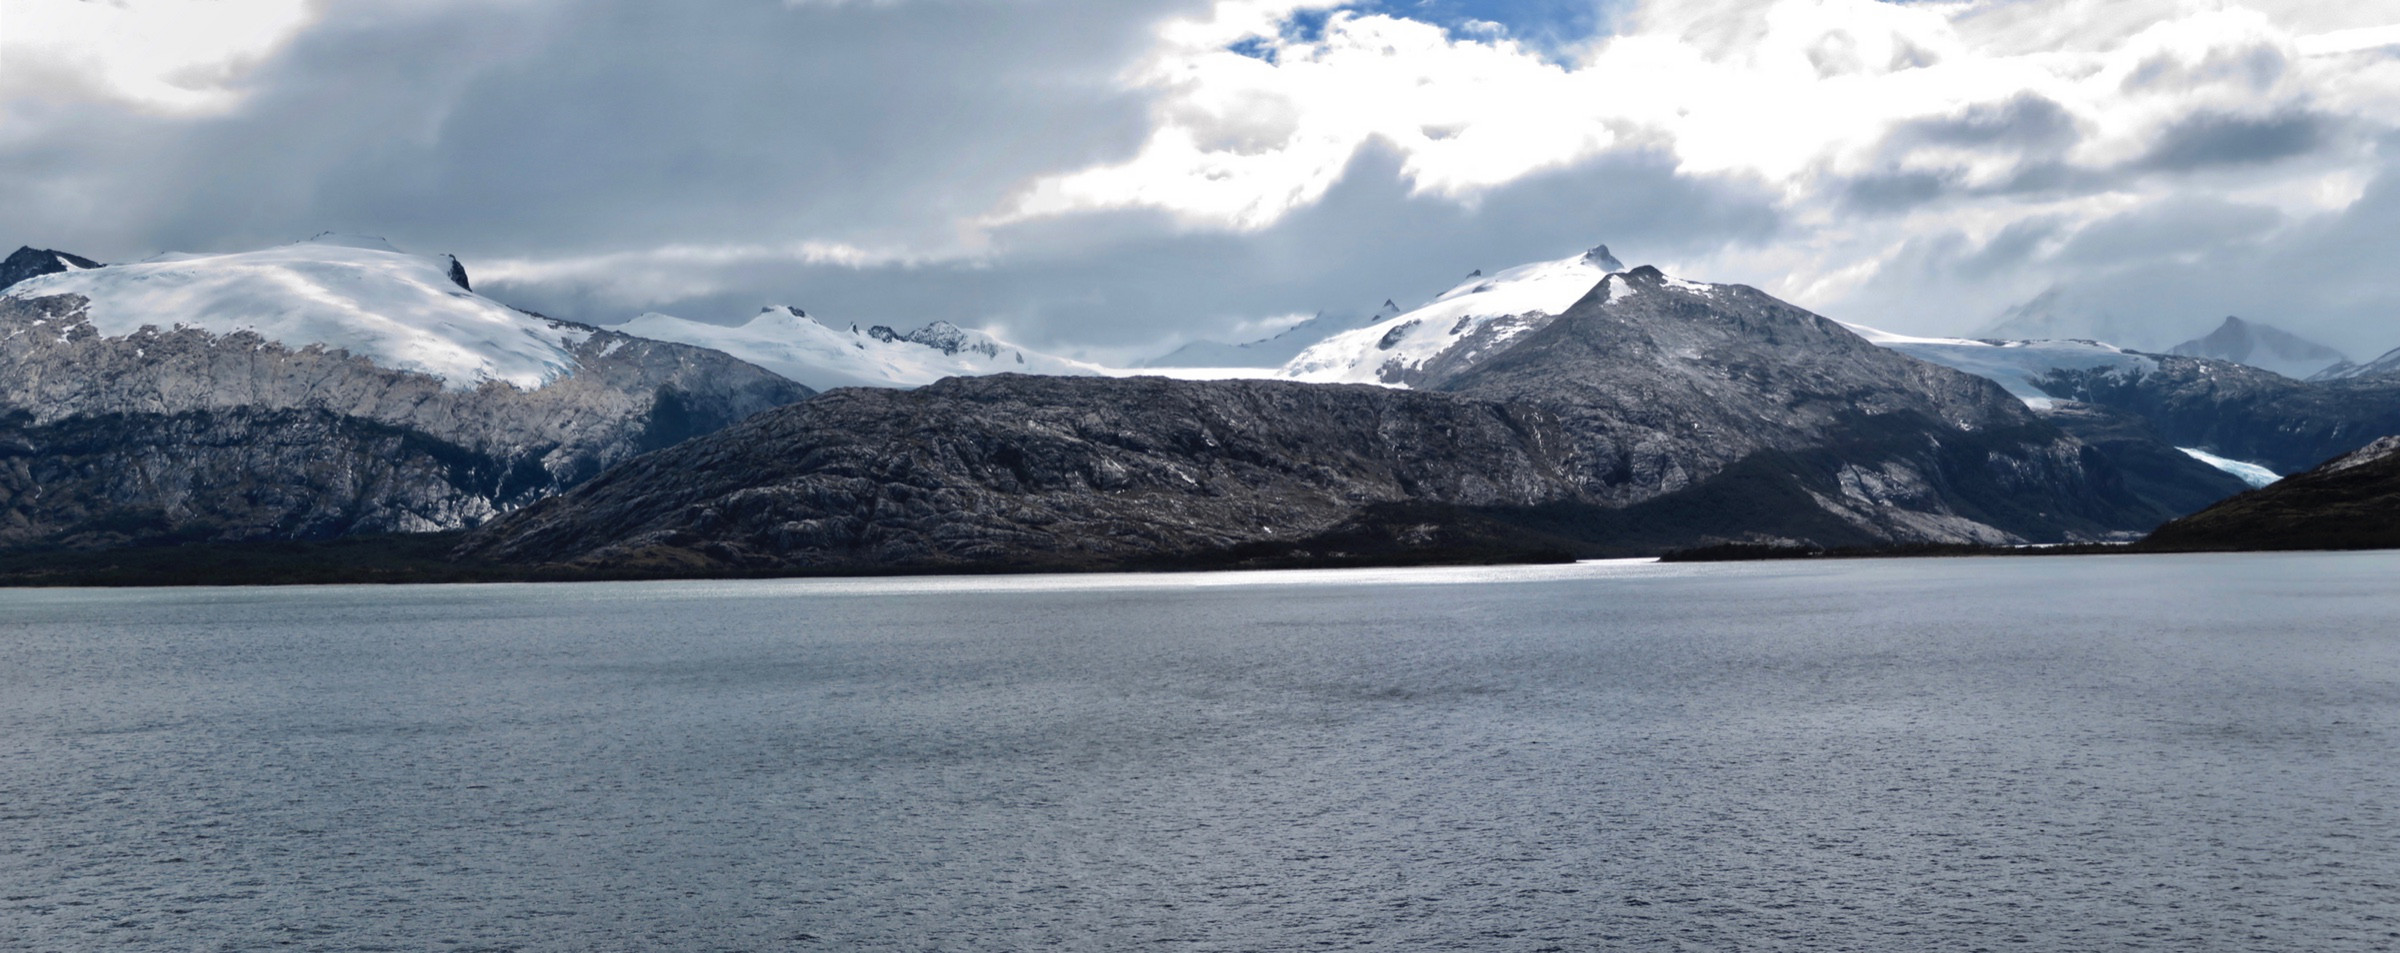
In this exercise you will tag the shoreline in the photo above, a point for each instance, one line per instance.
(423, 560)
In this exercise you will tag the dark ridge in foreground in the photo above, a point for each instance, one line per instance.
(2350, 502)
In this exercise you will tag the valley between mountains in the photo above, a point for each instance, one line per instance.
(340, 396)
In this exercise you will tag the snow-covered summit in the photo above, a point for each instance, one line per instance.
(2012, 364)
(826, 354)
(397, 310)
(1476, 318)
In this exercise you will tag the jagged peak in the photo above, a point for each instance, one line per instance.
(458, 272)
(1600, 258)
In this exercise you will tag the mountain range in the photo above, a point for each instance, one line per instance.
(1651, 413)
(1566, 408)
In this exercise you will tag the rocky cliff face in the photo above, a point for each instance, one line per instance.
(1012, 470)
(2242, 412)
(29, 262)
(235, 474)
(1669, 384)
(1651, 415)
(67, 385)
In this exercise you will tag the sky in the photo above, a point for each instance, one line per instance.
(1108, 180)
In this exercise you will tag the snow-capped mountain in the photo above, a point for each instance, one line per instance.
(397, 310)
(328, 387)
(1466, 324)
(824, 355)
(2015, 365)
(1648, 414)
(1269, 352)
(2385, 366)
(2264, 347)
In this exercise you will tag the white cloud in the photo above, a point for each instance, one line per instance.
(1970, 117)
(182, 56)
(1799, 93)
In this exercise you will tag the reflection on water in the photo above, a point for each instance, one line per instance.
(2055, 753)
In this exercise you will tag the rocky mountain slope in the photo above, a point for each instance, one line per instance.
(2385, 366)
(1650, 414)
(825, 354)
(436, 408)
(2264, 347)
(2015, 365)
(2242, 412)
(2350, 502)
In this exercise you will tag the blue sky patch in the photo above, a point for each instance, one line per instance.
(1549, 26)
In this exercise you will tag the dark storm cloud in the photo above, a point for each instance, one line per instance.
(1126, 284)
(2215, 139)
(2171, 228)
(2025, 123)
(567, 126)
(685, 151)
(2327, 279)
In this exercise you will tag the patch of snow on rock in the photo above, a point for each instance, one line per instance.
(1381, 352)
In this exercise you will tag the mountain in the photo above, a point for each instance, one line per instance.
(1019, 471)
(1271, 352)
(166, 398)
(29, 262)
(1674, 381)
(1648, 414)
(2386, 366)
(2064, 315)
(2015, 365)
(1466, 324)
(825, 355)
(2350, 502)
(2263, 347)
(2026, 369)
(2240, 412)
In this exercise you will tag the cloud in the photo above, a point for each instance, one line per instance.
(174, 56)
(1110, 178)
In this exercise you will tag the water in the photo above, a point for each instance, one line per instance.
(2097, 753)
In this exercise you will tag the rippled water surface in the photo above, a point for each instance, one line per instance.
(2094, 753)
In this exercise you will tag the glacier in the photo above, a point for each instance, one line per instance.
(397, 310)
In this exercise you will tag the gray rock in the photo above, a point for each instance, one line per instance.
(28, 262)
(2242, 412)
(628, 395)
(1647, 417)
